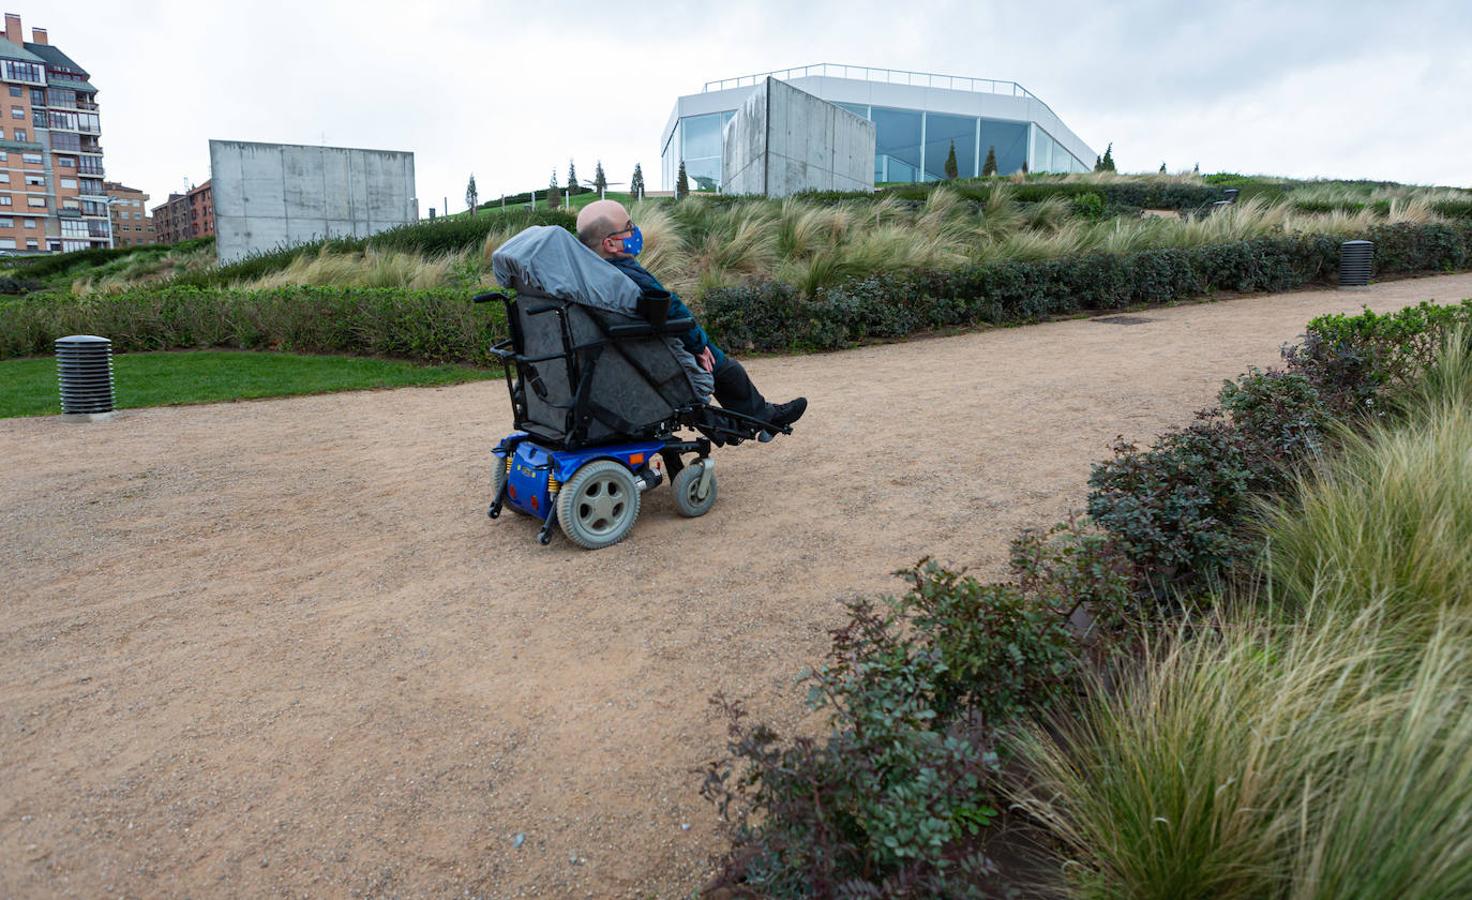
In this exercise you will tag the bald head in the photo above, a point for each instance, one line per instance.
(600, 219)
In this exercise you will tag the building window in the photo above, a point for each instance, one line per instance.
(37, 202)
(16, 90)
(33, 244)
(897, 144)
(38, 96)
(69, 162)
(7, 243)
(31, 158)
(30, 223)
(943, 132)
(35, 181)
(701, 150)
(5, 200)
(1010, 141)
(7, 222)
(23, 71)
(4, 178)
(69, 183)
(21, 135)
(17, 112)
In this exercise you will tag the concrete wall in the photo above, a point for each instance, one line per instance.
(274, 195)
(782, 141)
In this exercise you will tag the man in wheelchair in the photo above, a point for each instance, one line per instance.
(605, 227)
(604, 387)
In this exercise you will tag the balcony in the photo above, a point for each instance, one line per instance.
(87, 105)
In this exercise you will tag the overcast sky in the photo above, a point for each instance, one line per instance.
(511, 90)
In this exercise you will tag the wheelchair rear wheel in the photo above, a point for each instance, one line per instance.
(598, 505)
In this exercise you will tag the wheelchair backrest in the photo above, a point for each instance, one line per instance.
(585, 387)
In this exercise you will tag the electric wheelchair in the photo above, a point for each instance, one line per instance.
(601, 390)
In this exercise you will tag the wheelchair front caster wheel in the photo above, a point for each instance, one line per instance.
(544, 539)
(598, 505)
(686, 487)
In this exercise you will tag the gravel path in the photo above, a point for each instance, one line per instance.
(278, 648)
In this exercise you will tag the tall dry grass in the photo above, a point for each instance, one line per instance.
(1319, 743)
(1326, 760)
(1390, 516)
(367, 268)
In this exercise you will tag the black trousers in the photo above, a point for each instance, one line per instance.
(734, 390)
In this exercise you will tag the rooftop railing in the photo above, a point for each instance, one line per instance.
(887, 76)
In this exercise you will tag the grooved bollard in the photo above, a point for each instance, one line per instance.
(1355, 258)
(84, 372)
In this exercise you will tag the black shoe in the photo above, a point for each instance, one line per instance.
(784, 414)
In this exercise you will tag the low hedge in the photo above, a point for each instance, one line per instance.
(773, 316)
(436, 326)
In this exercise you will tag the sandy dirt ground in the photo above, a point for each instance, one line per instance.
(277, 648)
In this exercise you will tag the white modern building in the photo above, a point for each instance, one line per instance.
(917, 118)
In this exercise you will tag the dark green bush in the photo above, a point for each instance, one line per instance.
(892, 801)
(771, 316)
(431, 326)
(1177, 509)
(1089, 206)
(1280, 412)
(1075, 567)
(1350, 360)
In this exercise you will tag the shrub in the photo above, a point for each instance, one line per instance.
(1351, 360)
(1179, 508)
(1089, 205)
(430, 326)
(1279, 412)
(1073, 566)
(892, 800)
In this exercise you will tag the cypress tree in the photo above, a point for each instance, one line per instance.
(554, 192)
(989, 167)
(572, 175)
(951, 169)
(471, 194)
(1107, 163)
(600, 181)
(1162, 168)
(682, 183)
(636, 184)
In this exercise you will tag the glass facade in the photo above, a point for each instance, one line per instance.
(700, 139)
(909, 146)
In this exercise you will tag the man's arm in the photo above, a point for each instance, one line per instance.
(695, 340)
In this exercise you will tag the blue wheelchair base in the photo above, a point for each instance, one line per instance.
(530, 475)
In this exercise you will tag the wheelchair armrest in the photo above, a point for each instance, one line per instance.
(489, 295)
(644, 329)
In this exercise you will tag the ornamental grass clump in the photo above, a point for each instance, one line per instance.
(1390, 516)
(1328, 759)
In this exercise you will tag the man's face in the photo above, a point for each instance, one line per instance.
(613, 245)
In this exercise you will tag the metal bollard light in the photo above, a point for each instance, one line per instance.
(84, 373)
(1355, 259)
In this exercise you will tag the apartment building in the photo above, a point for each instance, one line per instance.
(185, 216)
(132, 226)
(51, 194)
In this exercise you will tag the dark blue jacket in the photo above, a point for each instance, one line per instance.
(695, 340)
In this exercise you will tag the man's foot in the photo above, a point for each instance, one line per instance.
(784, 414)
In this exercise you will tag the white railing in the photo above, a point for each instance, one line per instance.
(888, 76)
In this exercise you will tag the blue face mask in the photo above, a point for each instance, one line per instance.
(634, 242)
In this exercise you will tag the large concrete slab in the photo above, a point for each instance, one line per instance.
(273, 195)
(782, 141)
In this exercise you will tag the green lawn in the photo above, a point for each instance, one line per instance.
(28, 386)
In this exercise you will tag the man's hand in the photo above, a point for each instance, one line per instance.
(707, 360)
